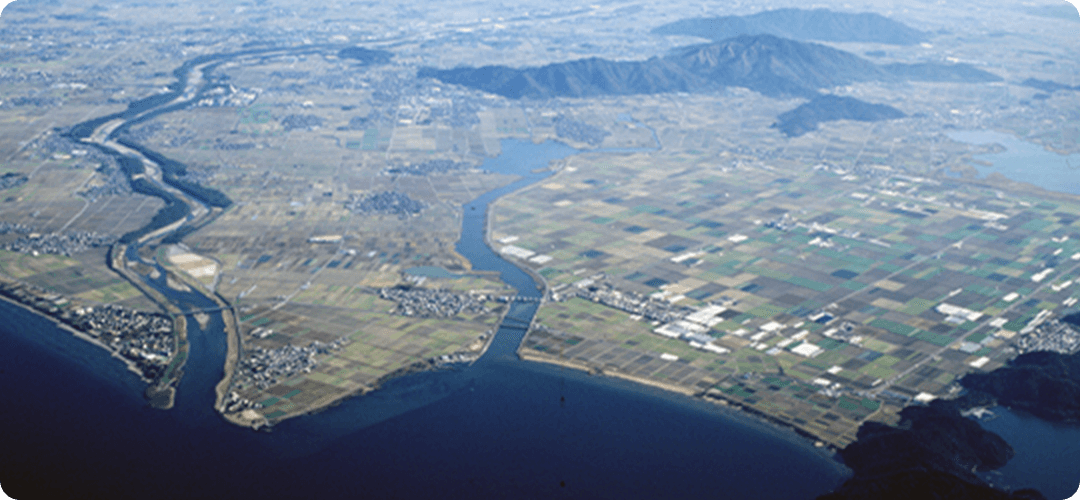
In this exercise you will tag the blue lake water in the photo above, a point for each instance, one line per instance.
(1024, 161)
(75, 425)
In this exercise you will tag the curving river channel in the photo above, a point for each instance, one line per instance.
(75, 423)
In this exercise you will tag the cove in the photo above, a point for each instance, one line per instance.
(1046, 453)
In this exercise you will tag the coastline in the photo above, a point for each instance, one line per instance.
(254, 420)
(534, 356)
(525, 354)
(538, 357)
(817, 441)
(251, 418)
(996, 180)
(66, 327)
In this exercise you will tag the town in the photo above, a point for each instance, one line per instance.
(145, 340)
(60, 243)
(266, 367)
(427, 303)
(386, 202)
(1054, 335)
(579, 131)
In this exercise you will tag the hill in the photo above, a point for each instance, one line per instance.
(581, 78)
(934, 453)
(1045, 384)
(767, 64)
(770, 65)
(817, 24)
(775, 66)
(829, 108)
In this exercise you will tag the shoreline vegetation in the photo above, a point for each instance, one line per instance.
(537, 357)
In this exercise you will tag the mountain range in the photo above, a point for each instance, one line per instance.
(770, 65)
(817, 24)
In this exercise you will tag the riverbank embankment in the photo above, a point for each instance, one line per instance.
(162, 392)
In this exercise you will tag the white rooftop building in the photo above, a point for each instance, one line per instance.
(807, 350)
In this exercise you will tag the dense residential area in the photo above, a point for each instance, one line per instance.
(144, 340)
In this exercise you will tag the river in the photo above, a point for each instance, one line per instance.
(75, 423)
